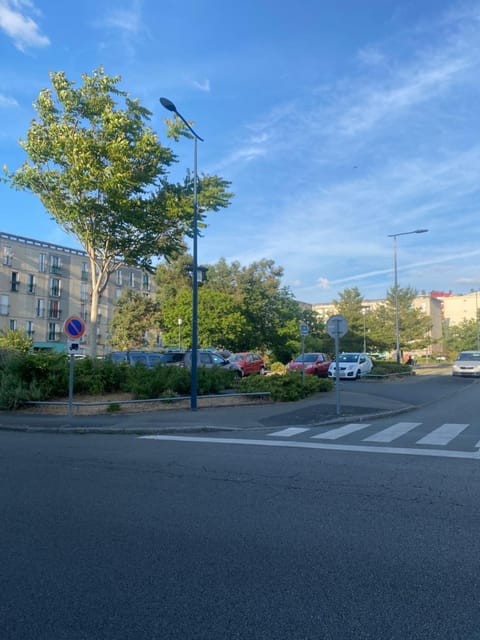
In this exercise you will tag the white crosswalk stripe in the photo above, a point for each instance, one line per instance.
(393, 432)
(444, 434)
(289, 432)
(441, 436)
(346, 430)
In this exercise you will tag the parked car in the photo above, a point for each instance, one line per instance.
(207, 358)
(249, 363)
(467, 363)
(313, 363)
(148, 358)
(352, 366)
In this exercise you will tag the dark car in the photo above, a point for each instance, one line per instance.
(312, 363)
(207, 358)
(149, 359)
(249, 363)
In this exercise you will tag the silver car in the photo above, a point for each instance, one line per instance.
(467, 364)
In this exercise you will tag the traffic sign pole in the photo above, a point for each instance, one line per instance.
(74, 328)
(337, 327)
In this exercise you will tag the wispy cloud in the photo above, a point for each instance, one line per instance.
(203, 86)
(17, 23)
(7, 101)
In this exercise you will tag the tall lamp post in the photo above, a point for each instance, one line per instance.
(168, 104)
(364, 311)
(397, 322)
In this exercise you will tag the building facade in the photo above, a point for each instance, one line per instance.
(42, 284)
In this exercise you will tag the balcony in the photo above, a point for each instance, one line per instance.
(55, 269)
(54, 314)
(14, 285)
(84, 276)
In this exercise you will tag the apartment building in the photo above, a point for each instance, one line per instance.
(42, 284)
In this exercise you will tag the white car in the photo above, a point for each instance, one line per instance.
(467, 363)
(352, 366)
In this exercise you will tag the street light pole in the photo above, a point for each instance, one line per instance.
(168, 104)
(364, 311)
(395, 271)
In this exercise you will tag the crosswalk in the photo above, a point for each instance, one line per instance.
(443, 435)
(448, 440)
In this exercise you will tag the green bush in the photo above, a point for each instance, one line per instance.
(286, 388)
(389, 367)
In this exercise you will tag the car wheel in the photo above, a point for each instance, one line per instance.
(262, 371)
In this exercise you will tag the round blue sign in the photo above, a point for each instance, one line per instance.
(74, 327)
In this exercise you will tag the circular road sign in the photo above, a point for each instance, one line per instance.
(304, 329)
(337, 326)
(74, 327)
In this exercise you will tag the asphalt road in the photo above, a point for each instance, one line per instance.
(114, 537)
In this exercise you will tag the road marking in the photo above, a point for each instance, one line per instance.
(346, 430)
(289, 432)
(393, 432)
(293, 444)
(443, 434)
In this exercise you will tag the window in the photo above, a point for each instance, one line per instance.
(40, 308)
(42, 262)
(53, 331)
(13, 325)
(146, 282)
(118, 294)
(118, 277)
(84, 272)
(53, 309)
(54, 287)
(55, 264)
(29, 328)
(7, 256)
(84, 312)
(131, 279)
(30, 283)
(4, 305)
(14, 284)
(83, 291)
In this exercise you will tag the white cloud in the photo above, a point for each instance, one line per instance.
(21, 28)
(203, 86)
(7, 101)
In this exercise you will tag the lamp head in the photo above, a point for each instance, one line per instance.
(421, 230)
(168, 104)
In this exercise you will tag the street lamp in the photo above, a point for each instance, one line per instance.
(168, 104)
(397, 323)
(179, 334)
(364, 311)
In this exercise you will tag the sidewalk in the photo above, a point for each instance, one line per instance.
(317, 410)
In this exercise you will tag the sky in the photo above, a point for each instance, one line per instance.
(339, 124)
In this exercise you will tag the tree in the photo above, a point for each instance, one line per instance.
(414, 325)
(462, 337)
(136, 322)
(101, 172)
(16, 340)
(350, 305)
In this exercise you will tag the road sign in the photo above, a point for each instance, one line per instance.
(74, 327)
(337, 326)
(304, 329)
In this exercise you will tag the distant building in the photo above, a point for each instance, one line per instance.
(42, 284)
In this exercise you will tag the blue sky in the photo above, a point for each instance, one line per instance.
(338, 123)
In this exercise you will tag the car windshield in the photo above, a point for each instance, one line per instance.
(470, 356)
(348, 357)
(307, 357)
(238, 357)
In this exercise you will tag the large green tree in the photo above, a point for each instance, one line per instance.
(101, 172)
(135, 323)
(414, 325)
(350, 304)
(462, 337)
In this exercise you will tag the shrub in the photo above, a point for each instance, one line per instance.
(278, 367)
(286, 388)
(387, 367)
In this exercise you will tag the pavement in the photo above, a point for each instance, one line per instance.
(323, 408)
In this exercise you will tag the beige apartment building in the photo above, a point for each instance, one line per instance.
(42, 284)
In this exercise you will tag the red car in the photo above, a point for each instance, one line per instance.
(314, 363)
(248, 362)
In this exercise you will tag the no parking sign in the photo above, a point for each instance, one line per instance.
(74, 327)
